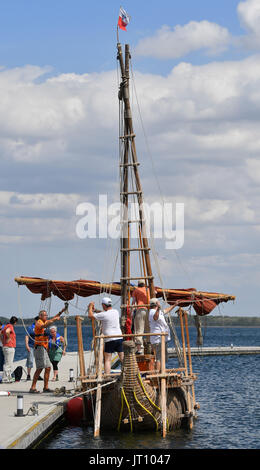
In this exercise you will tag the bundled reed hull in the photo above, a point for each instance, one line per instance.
(133, 404)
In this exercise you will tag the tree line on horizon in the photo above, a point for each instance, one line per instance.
(217, 320)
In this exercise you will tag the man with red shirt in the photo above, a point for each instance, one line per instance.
(9, 345)
(140, 297)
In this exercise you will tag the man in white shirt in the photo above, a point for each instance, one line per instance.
(158, 324)
(109, 318)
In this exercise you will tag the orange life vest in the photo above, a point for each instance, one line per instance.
(40, 338)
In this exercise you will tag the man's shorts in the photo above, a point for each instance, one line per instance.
(30, 358)
(42, 359)
(114, 346)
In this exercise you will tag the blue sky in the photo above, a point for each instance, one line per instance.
(197, 74)
(80, 36)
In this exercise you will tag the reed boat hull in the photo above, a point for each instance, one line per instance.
(133, 402)
(116, 416)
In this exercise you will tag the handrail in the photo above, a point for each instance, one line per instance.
(132, 334)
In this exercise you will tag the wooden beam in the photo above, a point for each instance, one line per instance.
(97, 418)
(163, 389)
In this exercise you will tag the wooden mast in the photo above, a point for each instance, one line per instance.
(130, 160)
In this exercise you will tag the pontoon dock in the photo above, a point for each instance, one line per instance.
(219, 350)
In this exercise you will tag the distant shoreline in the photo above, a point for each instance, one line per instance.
(206, 321)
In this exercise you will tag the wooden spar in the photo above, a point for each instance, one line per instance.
(189, 353)
(128, 267)
(183, 342)
(124, 202)
(80, 345)
(65, 321)
(140, 197)
(95, 341)
(163, 388)
(184, 356)
(199, 331)
(200, 295)
(97, 418)
(81, 359)
(129, 138)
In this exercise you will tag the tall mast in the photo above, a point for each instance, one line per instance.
(130, 161)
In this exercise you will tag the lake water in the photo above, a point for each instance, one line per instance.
(227, 389)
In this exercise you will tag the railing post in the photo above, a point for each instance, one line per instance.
(99, 391)
(189, 353)
(163, 388)
(184, 356)
(65, 321)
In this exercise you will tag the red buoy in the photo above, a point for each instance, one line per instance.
(74, 411)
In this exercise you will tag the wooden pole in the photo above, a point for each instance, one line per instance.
(184, 356)
(189, 353)
(124, 201)
(163, 388)
(95, 341)
(199, 332)
(65, 322)
(130, 132)
(99, 391)
(183, 342)
(190, 365)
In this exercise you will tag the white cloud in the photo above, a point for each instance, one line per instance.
(39, 118)
(207, 37)
(181, 40)
(72, 117)
(36, 218)
(253, 169)
(249, 15)
(11, 201)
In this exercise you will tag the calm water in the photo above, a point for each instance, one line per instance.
(227, 390)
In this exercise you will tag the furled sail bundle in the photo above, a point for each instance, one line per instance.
(202, 302)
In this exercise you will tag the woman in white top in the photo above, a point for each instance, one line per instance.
(109, 318)
(158, 324)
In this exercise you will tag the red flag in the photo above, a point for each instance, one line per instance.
(123, 19)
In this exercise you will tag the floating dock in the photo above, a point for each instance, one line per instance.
(23, 432)
(219, 351)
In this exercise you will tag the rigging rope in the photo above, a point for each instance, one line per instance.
(153, 166)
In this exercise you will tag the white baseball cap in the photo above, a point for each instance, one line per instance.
(153, 301)
(107, 301)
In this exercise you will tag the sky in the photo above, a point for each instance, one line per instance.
(196, 75)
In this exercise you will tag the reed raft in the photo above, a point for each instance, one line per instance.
(134, 404)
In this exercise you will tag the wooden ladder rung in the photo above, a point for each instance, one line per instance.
(132, 221)
(135, 249)
(127, 136)
(135, 278)
(129, 164)
(130, 192)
